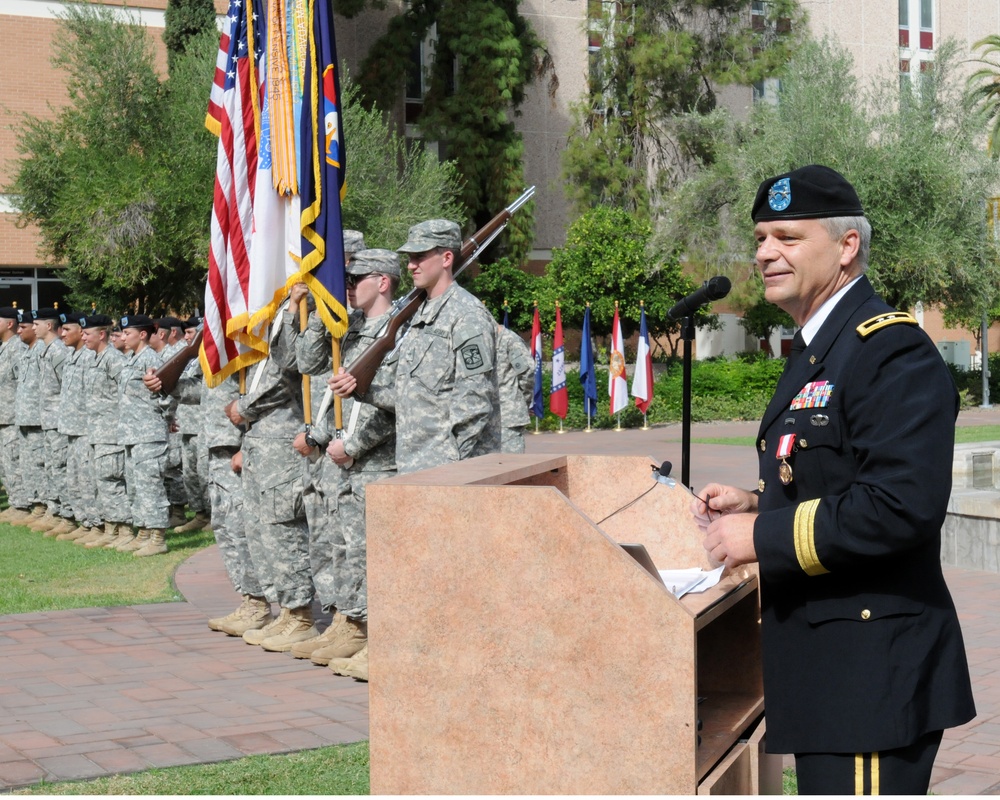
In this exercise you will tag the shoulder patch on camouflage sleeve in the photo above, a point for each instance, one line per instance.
(474, 356)
(868, 327)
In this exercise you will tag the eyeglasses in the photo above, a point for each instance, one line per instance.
(354, 280)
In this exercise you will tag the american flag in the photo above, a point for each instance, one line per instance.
(233, 115)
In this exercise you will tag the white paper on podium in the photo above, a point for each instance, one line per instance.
(681, 581)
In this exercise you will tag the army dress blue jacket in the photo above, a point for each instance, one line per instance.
(862, 646)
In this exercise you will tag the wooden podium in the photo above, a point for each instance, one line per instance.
(516, 649)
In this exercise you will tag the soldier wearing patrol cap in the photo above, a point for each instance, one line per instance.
(864, 664)
(11, 351)
(364, 453)
(440, 380)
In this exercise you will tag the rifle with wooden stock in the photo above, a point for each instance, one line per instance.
(171, 371)
(364, 367)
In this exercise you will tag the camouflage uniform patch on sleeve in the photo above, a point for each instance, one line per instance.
(474, 356)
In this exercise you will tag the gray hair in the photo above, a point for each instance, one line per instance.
(838, 226)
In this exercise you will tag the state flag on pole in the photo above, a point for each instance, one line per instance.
(537, 408)
(233, 116)
(588, 377)
(642, 381)
(617, 384)
(559, 394)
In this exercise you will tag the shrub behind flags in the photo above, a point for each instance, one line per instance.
(233, 116)
(537, 407)
(587, 375)
(559, 395)
(617, 385)
(322, 179)
(642, 381)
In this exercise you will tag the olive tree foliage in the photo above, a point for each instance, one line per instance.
(485, 56)
(608, 259)
(90, 176)
(657, 73)
(391, 184)
(184, 22)
(913, 155)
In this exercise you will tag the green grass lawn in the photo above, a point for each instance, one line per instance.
(39, 574)
(329, 770)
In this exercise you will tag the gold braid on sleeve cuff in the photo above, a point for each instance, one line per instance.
(805, 538)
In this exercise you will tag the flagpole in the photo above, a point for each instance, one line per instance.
(618, 426)
(306, 382)
(338, 403)
(645, 422)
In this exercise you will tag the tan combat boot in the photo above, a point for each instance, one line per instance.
(309, 646)
(110, 534)
(9, 514)
(95, 533)
(77, 533)
(155, 546)
(34, 515)
(298, 627)
(351, 636)
(18, 516)
(196, 523)
(177, 516)
(126, 538)
(258, 635)
(354, 667)
(64, 526)
(44, 522)
(253, 614)
(141, 540)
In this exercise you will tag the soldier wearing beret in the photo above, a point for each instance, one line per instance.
(52, 357)
(142, 431)
(441, 379)
(100, 398)
(28, 418)
(864, 663)
(74, 423)
(11, 351)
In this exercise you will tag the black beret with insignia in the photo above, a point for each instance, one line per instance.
(813, 192)
(96, 321)
(47, 313)
(136, 321)
(10, 313)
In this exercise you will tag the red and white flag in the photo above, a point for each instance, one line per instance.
(232, 115)
(559, 394)
(617, 384)
(642, 381)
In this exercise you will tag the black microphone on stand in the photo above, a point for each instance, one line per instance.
(713, 289)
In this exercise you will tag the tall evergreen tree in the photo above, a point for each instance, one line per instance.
(659, 69)
(485, 55)
(185, 20)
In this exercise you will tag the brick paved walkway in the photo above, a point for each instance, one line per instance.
(106, 690)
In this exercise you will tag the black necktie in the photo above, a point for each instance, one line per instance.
(798, 347)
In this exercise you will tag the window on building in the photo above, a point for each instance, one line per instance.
(916, 41)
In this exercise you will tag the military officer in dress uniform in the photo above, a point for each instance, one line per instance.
(864, 664)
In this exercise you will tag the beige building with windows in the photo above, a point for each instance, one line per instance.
(881, 35)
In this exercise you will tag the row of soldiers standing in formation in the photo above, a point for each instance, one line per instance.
(82, 437)
(288, 501)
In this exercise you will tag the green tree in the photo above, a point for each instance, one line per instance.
(656, 74)
(391, 184)
(761, 319)
(916, 163)
(185, 20)
(486, 54)
(504, 282)
(608, 259)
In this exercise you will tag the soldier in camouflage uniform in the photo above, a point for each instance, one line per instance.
(74, 422)
(168, 340)
(142, 430)
(516, 382)
(12, 349)
(273, 513)
(28, 419)
(440, 380)
(223, 442)
(364, 454)
(100, 398)
(52, 357)
(189, 418)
